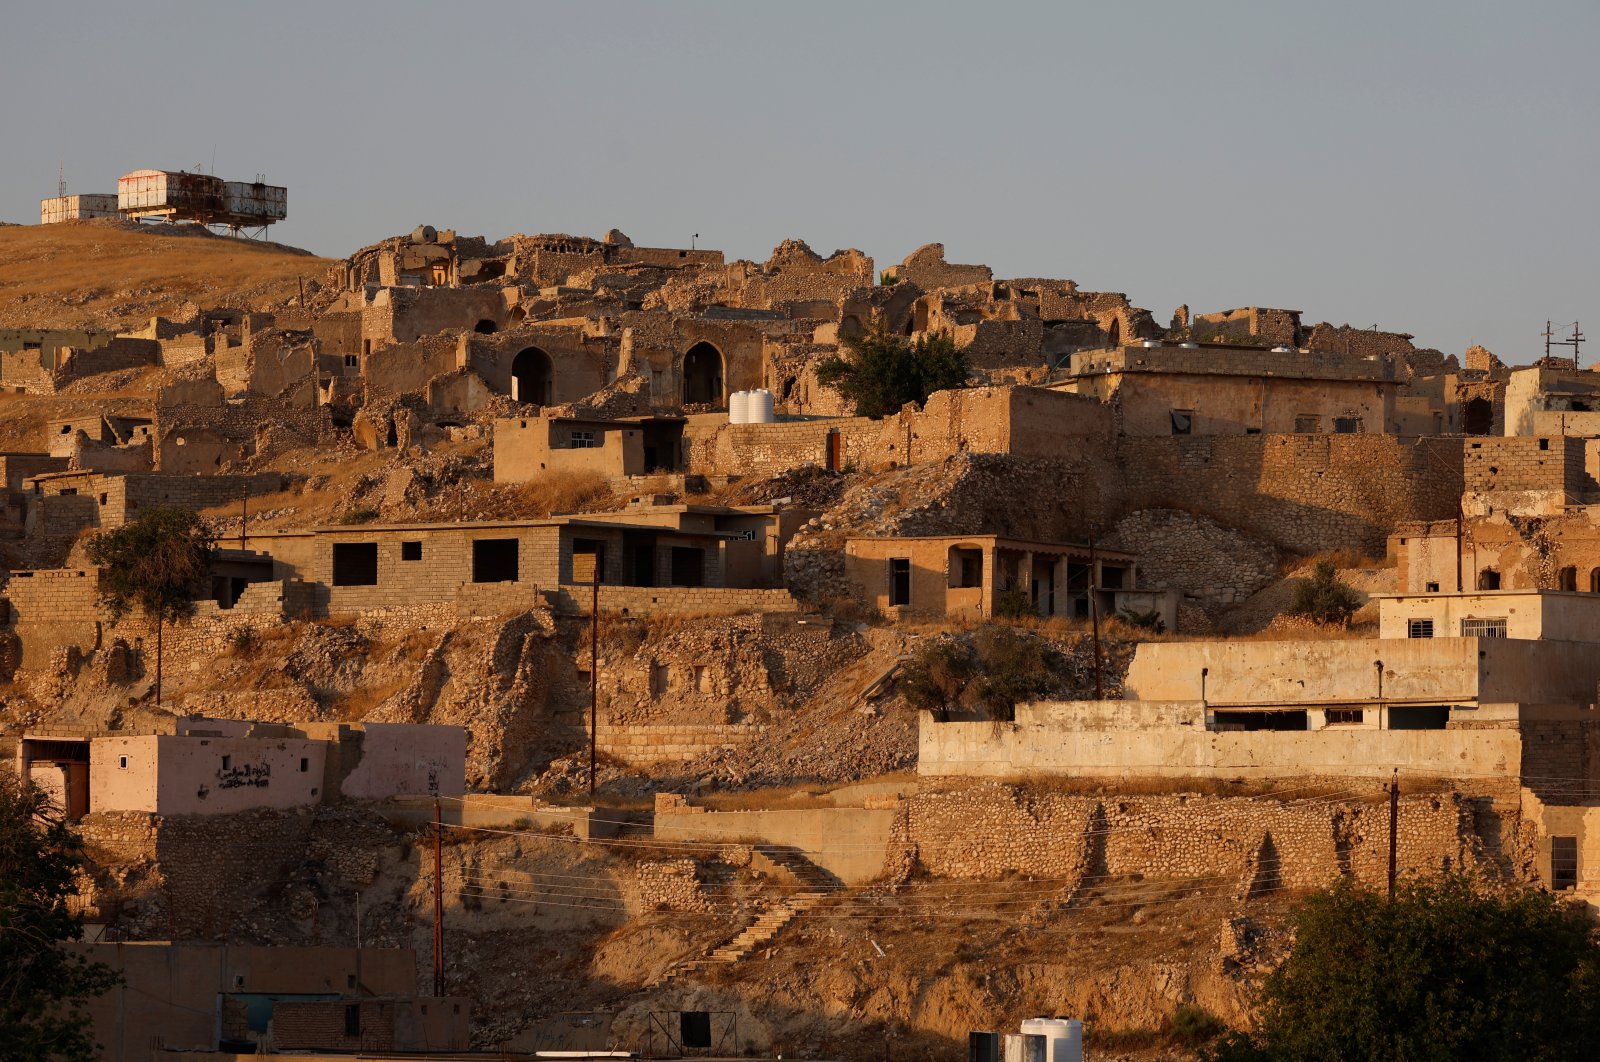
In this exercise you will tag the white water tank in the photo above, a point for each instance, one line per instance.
(1063, 1037)
(760, 408)
(739, 407)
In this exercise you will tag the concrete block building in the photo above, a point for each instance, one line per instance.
(219, 766)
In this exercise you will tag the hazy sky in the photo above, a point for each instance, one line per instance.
(1428, 167)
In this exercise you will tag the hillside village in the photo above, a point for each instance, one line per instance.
(929, 692)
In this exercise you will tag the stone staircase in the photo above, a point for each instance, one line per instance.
(816, 885)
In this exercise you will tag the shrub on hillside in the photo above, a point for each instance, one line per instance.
(1323, 598)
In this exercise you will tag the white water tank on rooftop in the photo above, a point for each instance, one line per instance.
(739, 407)
(1063, 1037)
(759, 408)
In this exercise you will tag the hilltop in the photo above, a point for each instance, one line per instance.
(111, 274)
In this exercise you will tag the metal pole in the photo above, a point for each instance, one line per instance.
(1394, 831)
(1461, 530)
(244, 516)
(594, 674)
(1094, 620)
(438, 902)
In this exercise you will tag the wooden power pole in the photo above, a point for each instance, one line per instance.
(594, 675)
(1394, 831)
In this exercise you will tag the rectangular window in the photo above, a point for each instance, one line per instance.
(411, 551)
(1432, 588)
(900, 581)
(355, 564)
(122, 762)
(1483, 628)
(582, 440)
(227, 762)
(688, 566)
(305, 765)
(1563, 863)
(1307, 424)
(352, 1020)
(1347, 425)
(1419, 716)
(27, 345)
(1345, 716)
(494, 560)
(351, 361)
(1182, 421)
(1419, 628)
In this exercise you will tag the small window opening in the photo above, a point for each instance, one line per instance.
(899, 581)
(1488, 579)
(1563, 863)
(352, 1019)
(1345, 716)
(352, 361)
(1419, 628)
(305, 765)
(1182, 421)
(1432, 588)
(227, 763)
(411, 551)
(122, 762)
(1419, 716)
(1544, 444)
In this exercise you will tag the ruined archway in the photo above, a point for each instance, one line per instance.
(1477, 417)
(1114, 333)
(532, 377)
(851, 326)
(485, 327)
(702, 375)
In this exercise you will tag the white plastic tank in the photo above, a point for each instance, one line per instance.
(739, 407)
(1064, 1037)
(760, 408)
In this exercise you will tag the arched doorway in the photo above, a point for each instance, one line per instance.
(532, 377)
(850, 326)
(485, 327)
(702, 375)
(1114, 333)
(1477, 417)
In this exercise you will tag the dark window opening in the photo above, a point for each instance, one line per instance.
(351, 361)
(900, 581)
(1307, 424)
(1112, 578)
(494, 560)
(305, 765)
(1251, 721)
(1432, 588)
(1345, 716)
(485, 327)
(688, 566)
(1563, 863)
(355, 564)
(1419, 716)
(1544, 444)
(227, 763)
(1488, 579)
(1567, 578)
(411, 551)
(352, 1019)
(1419, 628)
(1477, 418)
(702, 375)
(1182, 421)
(1347, 425)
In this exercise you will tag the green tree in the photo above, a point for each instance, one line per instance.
(43, 986)
(883, 371)
(1323, 597)
(1450, 971)
(157, 563)
(936, 675)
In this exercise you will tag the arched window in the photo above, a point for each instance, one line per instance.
(1594, 580)
(485, 327)
(1567, 578)
(1477, 417)
(532, 377)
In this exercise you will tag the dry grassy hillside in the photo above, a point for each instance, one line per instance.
(116, 275)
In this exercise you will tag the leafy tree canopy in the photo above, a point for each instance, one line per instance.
(883, 372)
(1450, 971)
(158, 562)
(43, 987)
(989, 674)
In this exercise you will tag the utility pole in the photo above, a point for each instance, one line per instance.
(1461, 530)
(244, 515)
(438, 902)
(1394, 831)
(594, 675)
(1094, 617)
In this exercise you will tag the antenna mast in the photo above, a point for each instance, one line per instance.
(61, 180)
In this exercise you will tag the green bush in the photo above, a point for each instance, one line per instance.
(1450, 970)
(1149, 621)
(991, 673)
(1323, 598)
(884, 372)
(1014, 604)
(359, 516)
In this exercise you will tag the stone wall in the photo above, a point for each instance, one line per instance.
(1305, 493)
(671, 743)
(1225, 844)
(674, 600)
(1195, 555)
